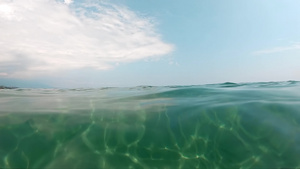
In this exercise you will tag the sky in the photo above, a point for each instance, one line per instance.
(117, 43)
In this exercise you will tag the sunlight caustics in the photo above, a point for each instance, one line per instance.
(213, 126)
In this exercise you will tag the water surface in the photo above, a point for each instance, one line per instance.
(250, 125)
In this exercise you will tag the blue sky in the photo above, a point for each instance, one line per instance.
(96, 43)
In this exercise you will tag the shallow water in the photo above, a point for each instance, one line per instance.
(251, 125)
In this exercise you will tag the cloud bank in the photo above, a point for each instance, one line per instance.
(39, 37)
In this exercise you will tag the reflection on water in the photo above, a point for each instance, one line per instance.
(212, 126)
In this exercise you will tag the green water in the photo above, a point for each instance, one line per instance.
(254, 125)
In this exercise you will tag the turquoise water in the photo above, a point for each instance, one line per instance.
(251, 125)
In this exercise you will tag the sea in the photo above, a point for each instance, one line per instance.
(228, 125)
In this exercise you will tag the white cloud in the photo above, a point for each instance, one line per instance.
(3, 74)
(45, 36)
(68, 1)
(278, 49)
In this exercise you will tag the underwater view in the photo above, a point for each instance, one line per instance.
(229, 125)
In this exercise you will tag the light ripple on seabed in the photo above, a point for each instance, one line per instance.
(214, 126)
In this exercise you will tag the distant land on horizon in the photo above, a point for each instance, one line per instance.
(6, 87)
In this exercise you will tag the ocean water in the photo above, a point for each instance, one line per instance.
(249, 125)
